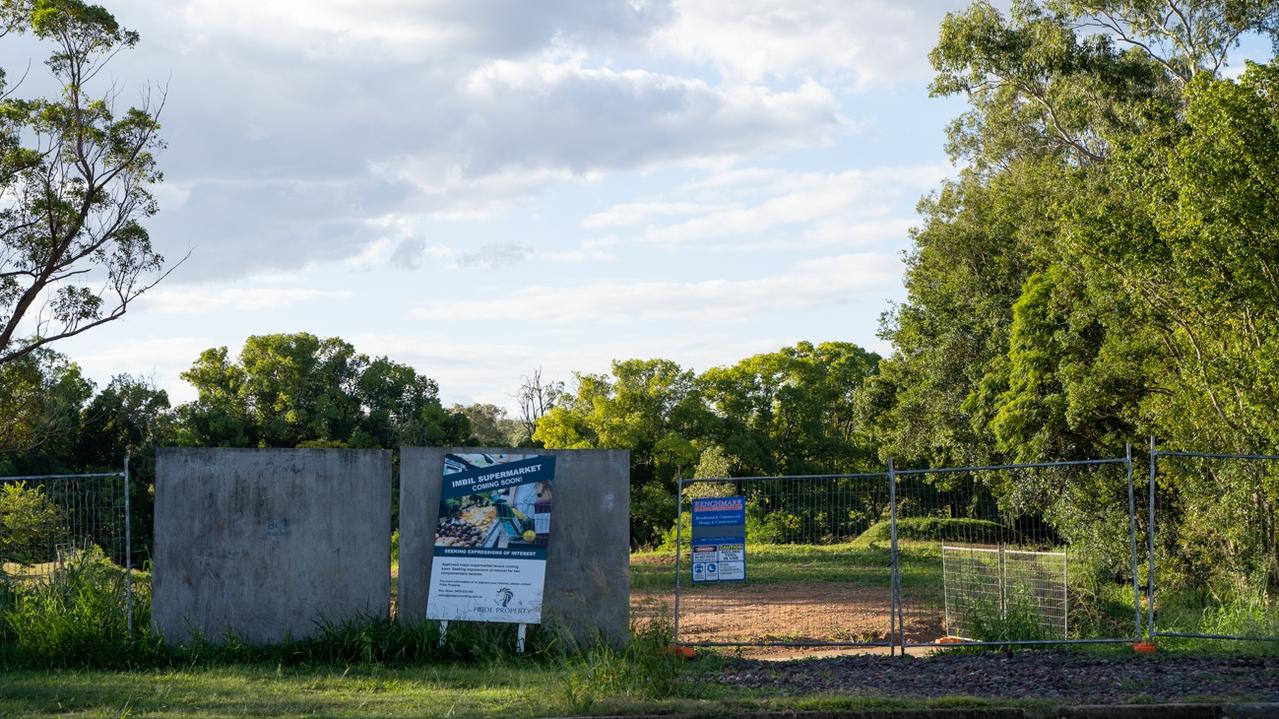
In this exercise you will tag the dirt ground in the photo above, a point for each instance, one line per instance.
(1059, 676)
(799, 612)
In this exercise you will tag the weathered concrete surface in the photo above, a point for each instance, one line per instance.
(587, 564)
(268, 542)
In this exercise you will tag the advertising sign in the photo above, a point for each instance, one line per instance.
(719, 539)
(490, 544)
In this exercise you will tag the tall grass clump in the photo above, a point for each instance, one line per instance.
(75, 617)
(1017, 621)
(644, 668)
(1242, 615)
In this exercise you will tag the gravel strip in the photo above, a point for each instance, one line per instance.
(1056, 676)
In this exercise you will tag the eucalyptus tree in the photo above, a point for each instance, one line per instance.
(76, 172)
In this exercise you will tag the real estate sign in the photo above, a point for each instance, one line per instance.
(491, 539)
(719, 539)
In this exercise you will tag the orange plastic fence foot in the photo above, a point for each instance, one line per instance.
(1145, 647)
(681, 652)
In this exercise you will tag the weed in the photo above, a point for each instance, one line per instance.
(642, 669)
(1018, 620)
(74, 617)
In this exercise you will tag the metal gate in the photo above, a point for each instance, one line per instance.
(860, 560)
(818, 565)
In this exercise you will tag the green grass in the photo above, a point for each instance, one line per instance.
(377, 668)
(863, 564)
(494, 690)
(1202, 612)
(500, 689)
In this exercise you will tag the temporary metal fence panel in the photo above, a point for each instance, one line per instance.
(1213, 545)
(1016, 554)
(1039, 553)
(816, 572)
(48, 523)
(1002, 582)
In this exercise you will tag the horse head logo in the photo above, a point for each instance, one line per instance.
(504, 596)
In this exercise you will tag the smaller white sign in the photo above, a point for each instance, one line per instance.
(732, 571)
(732, 553)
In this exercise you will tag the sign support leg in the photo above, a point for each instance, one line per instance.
(444, 631)
(519, 639)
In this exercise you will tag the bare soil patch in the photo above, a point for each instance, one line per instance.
(1058, 676)
(793, 612)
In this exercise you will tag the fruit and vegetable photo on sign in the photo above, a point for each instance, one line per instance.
(490, 543)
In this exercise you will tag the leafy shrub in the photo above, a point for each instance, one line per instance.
(939, 529)
(29, 526)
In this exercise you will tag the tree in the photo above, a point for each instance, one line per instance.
(41, 395)
(490, 425)
(290, 390)
(1105, 265)
(536, 399)
(1052, 310)
(128, 417)
(75, 173)
(650, 407)
(792, 411)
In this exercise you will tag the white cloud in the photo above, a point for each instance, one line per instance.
(637, 213)
(773, 210)
(495, 255)
(283, 144)
(202, 300)
(816, 283)
(525, 125)
(439, 30)
(864, 43)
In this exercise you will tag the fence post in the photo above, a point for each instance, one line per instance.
(1132, 540)
(679, 546)
(894, 583)
(945, 593)
(1065, 595)
(128, 553)
(1003, 584)
(1150, 549)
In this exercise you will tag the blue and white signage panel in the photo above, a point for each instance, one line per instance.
(719, 539)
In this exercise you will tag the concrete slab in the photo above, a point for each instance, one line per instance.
(587, 578)
(268, 542)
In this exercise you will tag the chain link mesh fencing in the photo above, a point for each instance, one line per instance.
(1214, 545)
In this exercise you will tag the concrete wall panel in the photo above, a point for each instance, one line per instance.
(267, 542)
(587, 565)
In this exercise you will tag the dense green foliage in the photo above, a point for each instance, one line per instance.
(1103, 267)
(785, 412)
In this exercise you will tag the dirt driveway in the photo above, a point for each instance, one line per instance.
(788, 612)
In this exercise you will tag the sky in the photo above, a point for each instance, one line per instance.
(484, 188)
